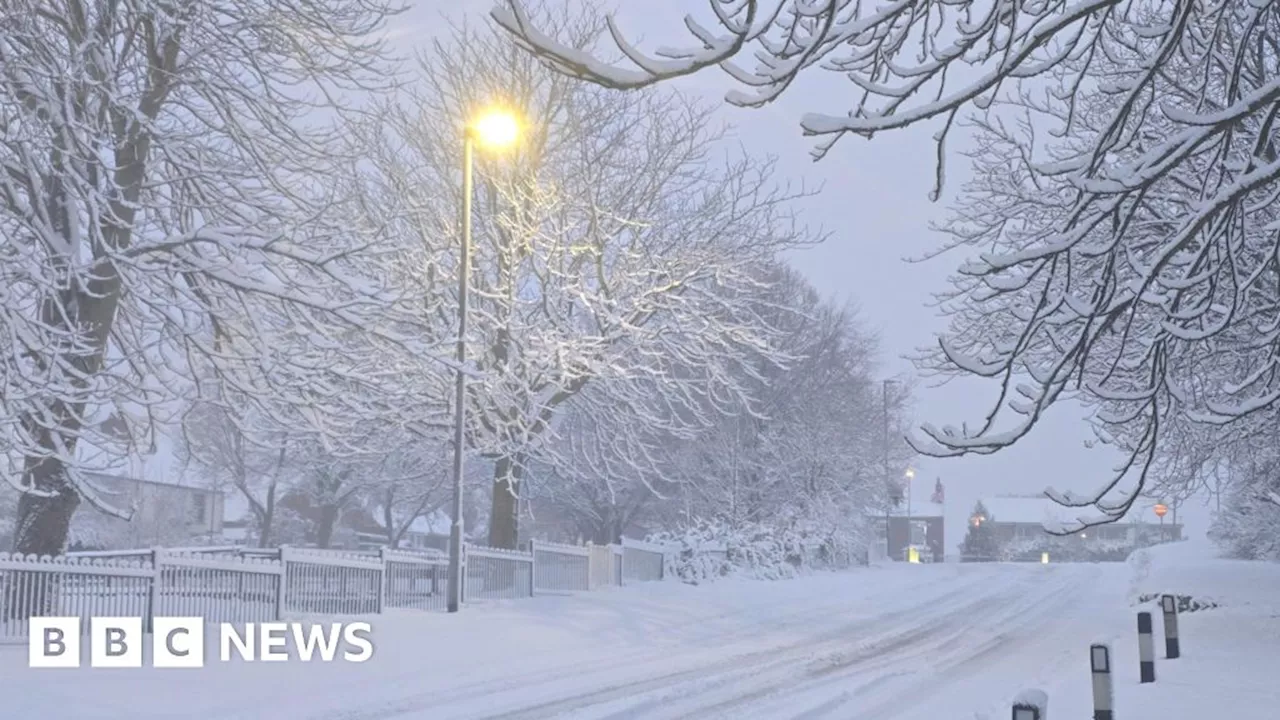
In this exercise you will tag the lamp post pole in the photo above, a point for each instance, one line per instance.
(884, 447)
(460, 378)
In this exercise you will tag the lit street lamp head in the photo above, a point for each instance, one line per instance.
(495, 129)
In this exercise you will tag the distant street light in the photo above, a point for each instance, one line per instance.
(910, 475)
(493, 129)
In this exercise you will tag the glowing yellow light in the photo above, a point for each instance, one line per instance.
(913, 555)
(910, 474)
(1044, 558)
(496, 129)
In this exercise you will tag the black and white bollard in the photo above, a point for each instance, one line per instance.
(1031, 705)
(1170, 606)
(1146, 649)
(1103, 696)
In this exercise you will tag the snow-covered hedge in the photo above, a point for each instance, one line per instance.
(709, 549)
(1064, 549)
(1248, 528)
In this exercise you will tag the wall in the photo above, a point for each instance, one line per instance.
(898, 536)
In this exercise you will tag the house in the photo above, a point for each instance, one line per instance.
(355, 526)
(426, 532)
(1017, 524)
(163, 513)
(922, 531)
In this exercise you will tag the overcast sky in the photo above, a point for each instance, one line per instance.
(875, 204)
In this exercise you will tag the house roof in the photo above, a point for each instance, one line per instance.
(1040, 510)
(436, 522)
(108, 479)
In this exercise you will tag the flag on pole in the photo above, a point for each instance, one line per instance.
(938, 494)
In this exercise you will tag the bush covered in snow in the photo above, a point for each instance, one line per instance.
(1247, 525)
(1064, 549)
(1248, 528)
(708, 549)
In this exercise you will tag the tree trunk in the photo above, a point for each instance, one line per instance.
(86, 309)
(504, 514)
(268, 518)
(44, 522)
(325, 523)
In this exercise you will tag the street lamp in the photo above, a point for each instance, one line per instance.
(911, 534)
(910, 475)
(494, 129)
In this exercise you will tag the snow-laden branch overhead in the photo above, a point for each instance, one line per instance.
(164, 212)
(1122, 212)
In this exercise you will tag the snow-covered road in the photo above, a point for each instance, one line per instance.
(893, 643)
(925, 644)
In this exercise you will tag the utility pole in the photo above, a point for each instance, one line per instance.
(884, 447)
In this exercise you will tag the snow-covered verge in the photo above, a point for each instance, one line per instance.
(654, 650)
(898, 642)
(1230, 643)
(709, 549)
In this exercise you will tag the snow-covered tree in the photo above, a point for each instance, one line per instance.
(602, 474)
(413, 483)
(1123, 208)
(980, 542)
(234, 455)
(607, 245)
(1248, 526)
(809, 454)
(162, 205)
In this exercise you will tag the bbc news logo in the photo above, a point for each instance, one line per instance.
(179, 642)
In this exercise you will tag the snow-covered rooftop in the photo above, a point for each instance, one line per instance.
(436, 522)
(116, 480)
(1038, 509)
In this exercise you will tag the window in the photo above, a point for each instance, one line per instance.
(919, 531)
(199, 508)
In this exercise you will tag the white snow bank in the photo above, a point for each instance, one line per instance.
(1194, 568)
(906, 642)
(1229, 653)
(495, 657)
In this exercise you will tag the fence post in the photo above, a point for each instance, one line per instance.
(1146, 649)
(1171, 648)
(383, 578)
(462, 572)
(1031, 705)
(533, 568)
(591, 566)
(1103, 695)
(153, 592)
(284, 581)
(622, 559)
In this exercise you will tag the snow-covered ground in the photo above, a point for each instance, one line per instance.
(885, 643)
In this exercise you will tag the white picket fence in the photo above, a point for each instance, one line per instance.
(606, 565)
(230, 584)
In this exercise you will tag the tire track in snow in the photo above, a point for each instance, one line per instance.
(777, 666)
(939, 674)
(903, 658)
(740, 664)
(444, 702)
